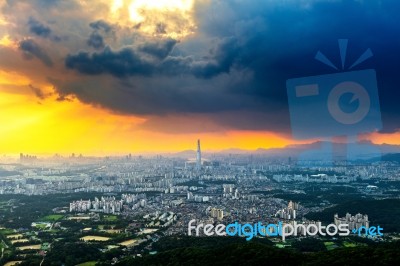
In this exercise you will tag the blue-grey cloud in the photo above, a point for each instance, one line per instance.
(38, 28)
(101, 25)
(41, 30)
(271, 41)
(279, 42)
(249, 50)
(31, 49)
(130, 62)
(159, 50)
(121, 63)
(96, 40)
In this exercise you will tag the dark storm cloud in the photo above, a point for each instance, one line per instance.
(280, 42)
(144, 95)
(130, 62)
(255, 48)
(32, 49)
(159, 50)
(41, 30)
(215, 122)
(38, 92)
(120, 63)
(101, 25)
(222, 59)
(101, 29)
(96, 40)
(38, 28)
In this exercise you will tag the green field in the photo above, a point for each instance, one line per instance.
(110, 218)
(41, 226)
(349, 244)
(330, 245)
(6, 231)
(52, 217)
(88, 263)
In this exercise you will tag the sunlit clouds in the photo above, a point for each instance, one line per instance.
(167, 18)
(105, 77)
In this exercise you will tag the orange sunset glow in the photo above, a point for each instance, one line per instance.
(49, 126)
(59, 94)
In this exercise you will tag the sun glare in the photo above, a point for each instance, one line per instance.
(169, 18)
(7, 42)
(137, 7)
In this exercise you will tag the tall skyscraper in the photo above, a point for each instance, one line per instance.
(198, 157)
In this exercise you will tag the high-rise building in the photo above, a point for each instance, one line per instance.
(220, 215)
(354, 222)
(289, 213)
(217, 213)
(198, 157)
(189, 196)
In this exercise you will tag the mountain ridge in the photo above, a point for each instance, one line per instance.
(314, 150)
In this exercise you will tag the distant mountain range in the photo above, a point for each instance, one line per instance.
(391, 157)
(319, 150)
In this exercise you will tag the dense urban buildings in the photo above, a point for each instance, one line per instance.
(354, 222)
(130, 202)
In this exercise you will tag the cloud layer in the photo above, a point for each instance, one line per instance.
(226, 64)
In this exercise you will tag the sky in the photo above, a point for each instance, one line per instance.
(104, 77)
